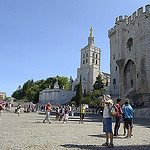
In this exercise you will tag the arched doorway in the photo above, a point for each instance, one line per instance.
(129, 77)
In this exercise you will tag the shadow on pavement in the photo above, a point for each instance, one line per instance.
(98, 118)
(103, 136)
(99, 147)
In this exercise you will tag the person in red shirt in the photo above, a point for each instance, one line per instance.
(118, 117)
(48, 109)
(2, 106)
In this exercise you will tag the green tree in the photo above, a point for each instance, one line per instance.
(98, 85)
(92, 98)
(26, 86)
(32, 93)
(63, 81)
(79, 93)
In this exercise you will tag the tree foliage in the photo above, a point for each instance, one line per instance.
(92, 98)
(78, 98)
(98, 85)
(30, 89)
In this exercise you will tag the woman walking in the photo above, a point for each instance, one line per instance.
(48, 109)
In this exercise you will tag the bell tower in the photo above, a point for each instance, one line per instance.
(89, 65)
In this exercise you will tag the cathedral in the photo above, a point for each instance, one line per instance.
(89, 66)
(130, 57)
(88, 71)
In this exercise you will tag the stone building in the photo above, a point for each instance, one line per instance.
(2, 95)
(130, 57)
(56, 96)
(89, 66)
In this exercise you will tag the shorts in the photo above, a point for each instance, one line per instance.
(66, 116)
(128, 123)
(82, 116)
(107, 125)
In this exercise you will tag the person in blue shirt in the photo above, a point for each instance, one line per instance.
(128, 118)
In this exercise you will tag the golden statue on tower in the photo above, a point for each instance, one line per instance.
(91, 32)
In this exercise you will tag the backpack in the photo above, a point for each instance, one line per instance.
(113, 111)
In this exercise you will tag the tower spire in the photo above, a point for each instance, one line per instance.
(91, 32)
(91, 38)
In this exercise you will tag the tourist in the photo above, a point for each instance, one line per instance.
(107, 103)
(18, 109)
(57, 113)
(25, 108)
(66, 114)
(2, 107)
(128, 118)
(48, 109)
(82, 113)
(72, 111)
(118, 117)
(60, 113)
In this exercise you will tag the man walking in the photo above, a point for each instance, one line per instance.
(107, 103)
(118, 117)
(82, 113)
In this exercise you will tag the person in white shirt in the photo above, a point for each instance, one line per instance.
(107, 103)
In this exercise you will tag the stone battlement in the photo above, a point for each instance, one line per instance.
(129, 20)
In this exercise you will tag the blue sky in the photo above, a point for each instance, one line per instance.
(43, 38)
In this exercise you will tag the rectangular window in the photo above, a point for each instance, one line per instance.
(96, 55)
(131, 83)
(83, 61)
(83, 55)
(114, 81)
(86, 60)
(96, 61)
(86, 54)
(92, 60)
(114, 57)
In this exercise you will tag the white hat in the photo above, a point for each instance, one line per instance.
(108, 96)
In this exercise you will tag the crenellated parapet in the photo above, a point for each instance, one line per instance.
(131, 19)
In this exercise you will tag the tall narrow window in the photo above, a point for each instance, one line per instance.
(83, 61)
(114, 81)
(130, 44)
(92, 60)
(96, 55)
(86, 54)
(93, 54)
(114, 57)
(83, 55)
(96, 61)
(86, 60)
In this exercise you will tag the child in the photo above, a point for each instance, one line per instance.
(66, 114)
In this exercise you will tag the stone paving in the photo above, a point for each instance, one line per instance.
(27, 132)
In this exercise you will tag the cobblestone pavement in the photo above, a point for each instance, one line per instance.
(27, 132)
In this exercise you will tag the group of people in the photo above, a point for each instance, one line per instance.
(125, 113)
(62, 113)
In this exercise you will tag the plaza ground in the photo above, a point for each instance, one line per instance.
(28, 132)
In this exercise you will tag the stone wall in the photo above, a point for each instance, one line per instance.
(56, 96)
(142, 113)
(129, 54)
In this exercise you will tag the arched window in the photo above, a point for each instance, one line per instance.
(96, 61)
(130, 44)
(96, 55)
